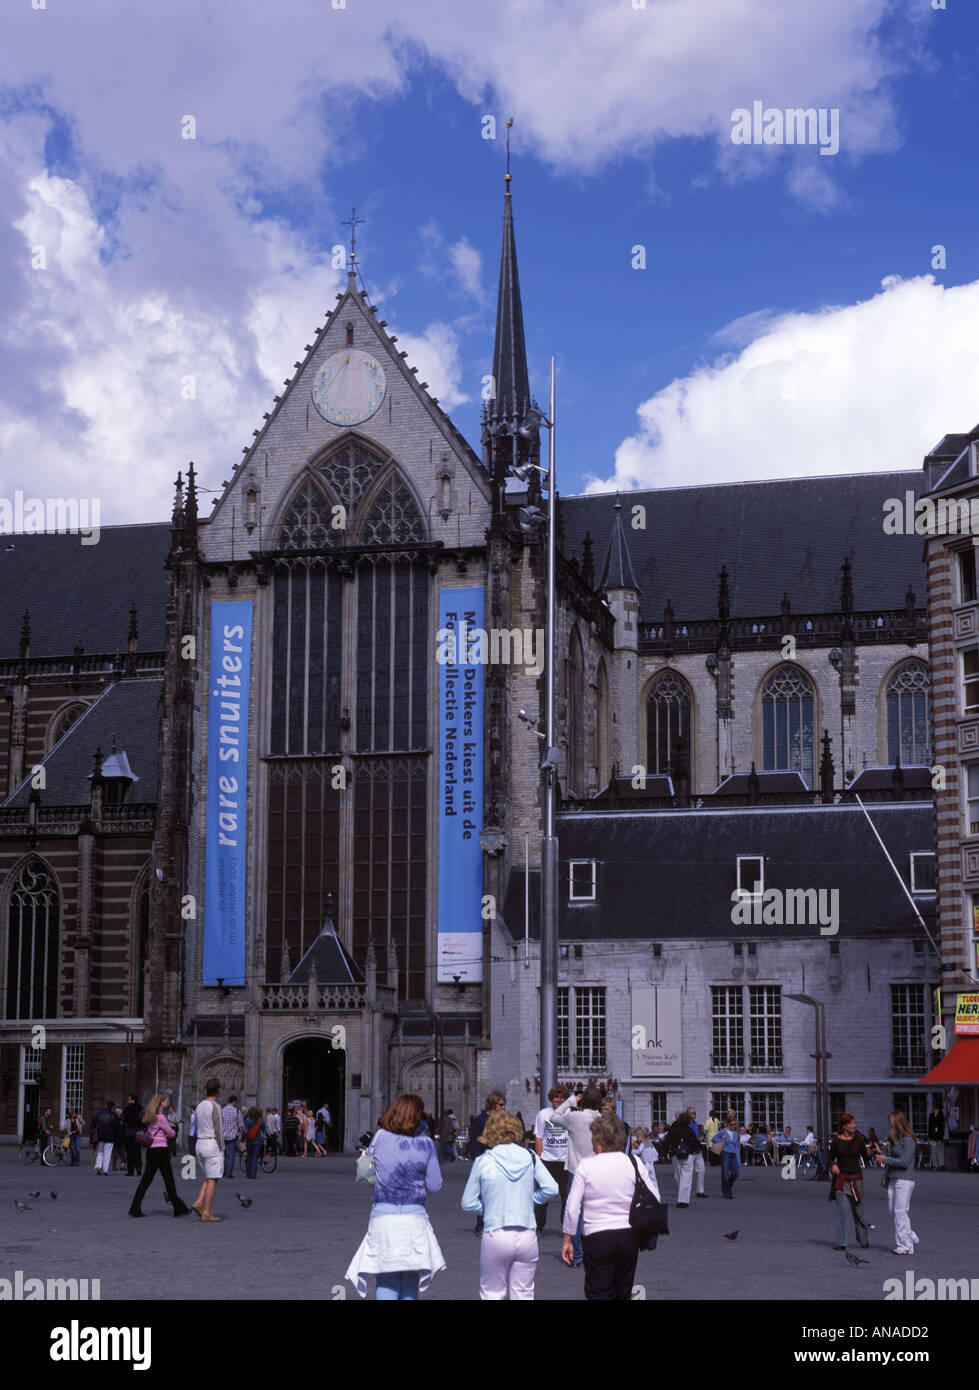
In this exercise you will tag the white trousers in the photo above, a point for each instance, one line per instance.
(899, 1205)
(699, 1169)
(507, 1260)
(103, 1156)
(683, 1172)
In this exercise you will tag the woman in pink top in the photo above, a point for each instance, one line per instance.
(601, 1193)
(158, 1156)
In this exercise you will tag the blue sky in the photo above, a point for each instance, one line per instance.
(788, 321)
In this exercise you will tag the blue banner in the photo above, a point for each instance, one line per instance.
(226, 820)
(460, 787)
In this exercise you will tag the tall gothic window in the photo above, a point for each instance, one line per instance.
(390, 863)
(32, 944)
(303, 854)
(383, 683)
(907, 716)
(667, 719)
(602, 727)
(393, 655)
(307, 606)
(787, 723)
(576, 717)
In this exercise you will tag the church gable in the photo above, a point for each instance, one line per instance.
(354, 388)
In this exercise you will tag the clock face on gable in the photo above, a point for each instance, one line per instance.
(349, 387)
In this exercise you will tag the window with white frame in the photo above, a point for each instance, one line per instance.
(727, 1027)
(751, 874)
(915, 1106)
(74, 1076)
(581, 1027)
(723, 1101)
(563, 1026)
(657, 1108)
(908, 1027)
(589, 1026)
(837, 1107)
(765, 1024)
(32, 1064)
(970, 680)
(581, 879)
(923, 873)
(767, 1109)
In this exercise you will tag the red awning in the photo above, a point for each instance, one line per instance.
(959, 1068)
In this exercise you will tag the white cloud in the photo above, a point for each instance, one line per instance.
(436, 355)
(164, 260)
(866, 387)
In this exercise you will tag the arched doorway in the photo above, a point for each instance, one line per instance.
(313, 1071)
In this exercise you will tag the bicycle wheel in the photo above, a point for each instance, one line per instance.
(53, 1154)
(28, 1152)
(269, 1162)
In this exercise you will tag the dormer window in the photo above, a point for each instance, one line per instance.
(751, 875)
(582, 881)
(117, 779)
(922, 873)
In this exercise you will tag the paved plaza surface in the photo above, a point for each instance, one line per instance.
(308, 1218)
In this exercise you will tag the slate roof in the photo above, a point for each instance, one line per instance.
(83, 592)
(768, 782)
(334, 964)
(881, 779)
(782, 534)
(671, 874)
(128, 713)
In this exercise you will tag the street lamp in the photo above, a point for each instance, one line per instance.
(822, 1070)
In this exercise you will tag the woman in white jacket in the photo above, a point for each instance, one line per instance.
(505, 1183)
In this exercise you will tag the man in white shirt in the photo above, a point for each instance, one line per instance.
(209, 1151)
(577, 1120)
(808, 1140)
(551, 1143)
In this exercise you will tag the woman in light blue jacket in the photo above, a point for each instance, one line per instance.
(900, 1165)
(503, 1186)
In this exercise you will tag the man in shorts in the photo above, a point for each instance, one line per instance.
(210, 1149)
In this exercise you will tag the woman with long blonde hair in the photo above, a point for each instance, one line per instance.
(899, 1164)
(158, 1156)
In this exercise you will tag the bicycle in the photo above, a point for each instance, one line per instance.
(811, 1164)
(50, 1154)
(267, 1160)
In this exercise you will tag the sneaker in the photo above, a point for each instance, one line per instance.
(683, 1204)
(901, 1251)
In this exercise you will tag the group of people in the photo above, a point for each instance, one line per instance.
(582, 1155)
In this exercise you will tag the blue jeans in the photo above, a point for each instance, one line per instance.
(576, 1240)
(401, 1287)
(230, 1154)
(253, 1149)
(76, 1150)
(843, 1205)
(730, 1168)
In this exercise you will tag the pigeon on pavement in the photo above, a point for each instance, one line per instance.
(732, 1235)
(36, 1194)
(245, 1201)
(22, 1206)
(853, 1260)
(54, 1196)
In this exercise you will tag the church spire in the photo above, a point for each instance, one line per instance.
(507, 409)
(617, 573)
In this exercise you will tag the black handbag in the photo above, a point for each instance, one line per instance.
(648, 1216)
